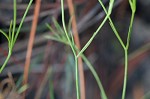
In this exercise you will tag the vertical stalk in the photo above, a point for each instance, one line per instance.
(8, 57)
(133, 8)
(125, 73)
(77, 78)
(77, 42)
(72, 48)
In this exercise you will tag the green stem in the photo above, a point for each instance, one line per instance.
(77, 78)
(112, 25)
(129, 31)
(133, 7)
(125, 74)
(23, 18)
(64, 26)
(1, 31)
(3, 66)
(9, 35)
(93, 36)
(14, 23)
(72, 48)
(103, 94)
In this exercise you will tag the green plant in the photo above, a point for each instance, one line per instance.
(67, 38)
(60, 36)
(12, 36)
(98, 29)
(125, 46)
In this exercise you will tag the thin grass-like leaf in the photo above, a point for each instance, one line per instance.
(103, 94)
(70, 32)
(5, 35)
(64, 27)
(6, 61)
(100, 26)
(53, 31)
(56, 39)
(14, 23)
(10, 30)
(20, 25)
(23, 88)
(58, 27)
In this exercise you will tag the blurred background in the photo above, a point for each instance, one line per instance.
(52, 70)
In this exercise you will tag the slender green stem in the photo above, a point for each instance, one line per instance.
(133, 8)
(112, 25)
(8, 56)
(9, 35)
(14, 23)
(77, 78)
(129, 31)
(103, 94)
(117, 34)
(93, 36)
(1, 31)
(20, 25)
(125, 74)
(64, 26)
(73, 50)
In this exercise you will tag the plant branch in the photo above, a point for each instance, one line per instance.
(98, 29)
(77, 43)
(125, 74)
(103, 94)
(133, 8)
(112, 25)
(8, 57)
(11, 37)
